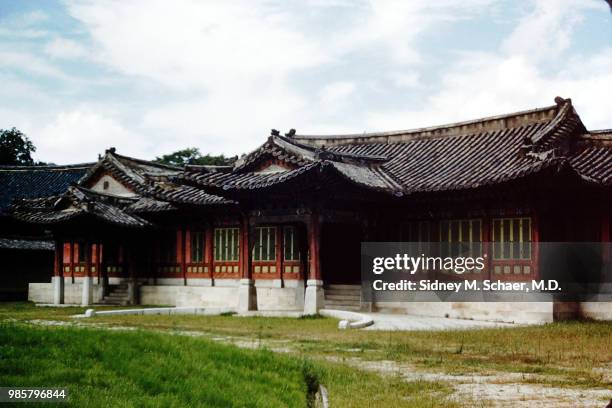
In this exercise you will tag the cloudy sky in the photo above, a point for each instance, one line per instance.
(151, 77)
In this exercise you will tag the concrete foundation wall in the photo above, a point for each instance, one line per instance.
(270, 296)
(158, 295)
(202, 296)
(73, 292)
(40, 292)
(596, 310)
(510, 312)
(274, 295)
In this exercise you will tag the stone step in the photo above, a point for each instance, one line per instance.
(342, 287)
(334, 290)
(343, 296)
(337, 293)
(341, 303)
(116, 295)
(114, 303)
(352, 308)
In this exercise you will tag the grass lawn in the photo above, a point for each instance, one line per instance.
(142, 368)
(571, 353)
(564, 354)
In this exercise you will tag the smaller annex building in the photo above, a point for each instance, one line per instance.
(281, 228)
(28, 248)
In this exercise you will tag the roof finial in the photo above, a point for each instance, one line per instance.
(274, 132)
(111, 150)
(559, 100)
(291, 133)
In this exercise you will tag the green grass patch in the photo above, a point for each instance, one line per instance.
(120, 368)
(572, 353)
(143, 368)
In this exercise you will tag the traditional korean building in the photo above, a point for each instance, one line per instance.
(28, 247)
(281, 228)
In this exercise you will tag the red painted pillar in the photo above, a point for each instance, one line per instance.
(72, 244)
(58, 273)
(314, 298)
(58, 258)
(245, 250)
(280, 239)
(247, 294)
(180, 254)
(208, 249)
(314, 238)
(87, 298)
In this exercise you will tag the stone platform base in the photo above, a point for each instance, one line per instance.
(507, 312)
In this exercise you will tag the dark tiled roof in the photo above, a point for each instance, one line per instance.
(135, 173)
(184, 194)
(459, 156)
(79, 202)
(594, 158)
(154, 191)
(36, 181)
(26, 244)
(153, 182)
(460, 162)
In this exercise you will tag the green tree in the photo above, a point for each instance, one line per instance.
(192, 155)
(15, 148)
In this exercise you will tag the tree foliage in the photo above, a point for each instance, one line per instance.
(15, 148)
(192, 155)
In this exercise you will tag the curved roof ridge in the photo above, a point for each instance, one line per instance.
(47, 167)
(113, 152)
(451, 129)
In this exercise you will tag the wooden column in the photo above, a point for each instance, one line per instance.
(58, 273)
(71, 260)
(99, 262)
(280, 242)
(314, 239)
(131, 260)
(181, 253)
(87, 280)
(208, 251)
(314, 298)
(102, 266)
(247, 294)
(58, 258)
(246, 269)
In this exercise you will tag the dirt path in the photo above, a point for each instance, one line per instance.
(499, 389)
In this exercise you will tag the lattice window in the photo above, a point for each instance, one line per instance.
(291, 247)
(512, 238)
(265, 244)
(197, 246)
(461, 237)
(226, 244)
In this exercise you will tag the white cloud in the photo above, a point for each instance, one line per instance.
(218, 75)
(410, 79)
(79, 135)
(65, 48)
(518, 76)
(546, 31)
(336, 93)
(25, 61)
(198, 44)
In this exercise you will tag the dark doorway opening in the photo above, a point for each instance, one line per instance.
(341, 253)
